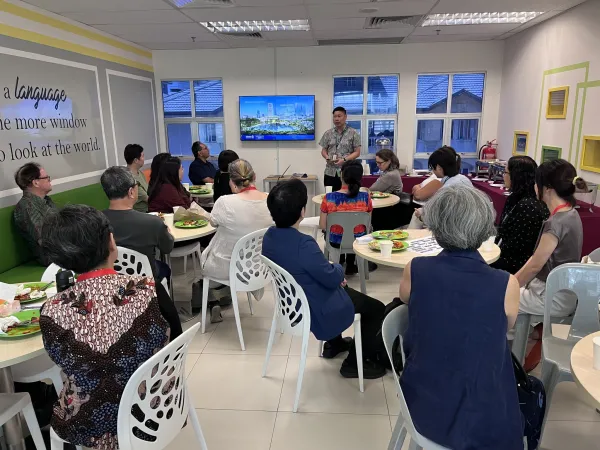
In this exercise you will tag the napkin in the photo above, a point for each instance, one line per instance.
(6, 322)
(8, 292)
(364, 239)
(196, 212)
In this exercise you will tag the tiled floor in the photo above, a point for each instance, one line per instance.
(238, 409)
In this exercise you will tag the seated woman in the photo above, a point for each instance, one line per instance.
(458, 379)
(348, 199)
(168, 191)
(445, 164)
(157, 163)
(523, 215)
(98, 331)
(560, 240)
(332, 304)
(234, 216)
(221, 186)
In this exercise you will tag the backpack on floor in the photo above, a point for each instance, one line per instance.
(532, 400)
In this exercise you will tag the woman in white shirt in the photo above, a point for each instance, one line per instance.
(234, 216)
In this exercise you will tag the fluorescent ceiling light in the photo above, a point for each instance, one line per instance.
(479, 18)
(182, 3)
(252, 26)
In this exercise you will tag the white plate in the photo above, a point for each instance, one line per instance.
(497, 185)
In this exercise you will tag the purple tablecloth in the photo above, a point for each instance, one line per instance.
(408, 182)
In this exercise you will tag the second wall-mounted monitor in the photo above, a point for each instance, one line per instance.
(277, 118)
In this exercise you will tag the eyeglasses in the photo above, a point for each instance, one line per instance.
(47, 177)
(379, 163)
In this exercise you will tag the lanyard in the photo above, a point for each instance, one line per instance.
(249, 188)
(559, 207)
(339, 137)
(96, 274)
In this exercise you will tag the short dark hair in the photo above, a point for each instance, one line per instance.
(133, 152)
(340, 109)
(116, 182)
(561, 176)
(25, 175)
(196, 148)
(226, 157)
(77, 238)
(285, 202)
(447, 158)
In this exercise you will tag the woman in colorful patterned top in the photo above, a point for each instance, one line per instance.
(98, 331)
(348, 199)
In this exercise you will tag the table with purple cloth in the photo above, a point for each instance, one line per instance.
(408, 181)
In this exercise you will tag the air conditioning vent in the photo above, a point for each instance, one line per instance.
(363, 41)
(242, 35)
(202, 3)
(393, 22)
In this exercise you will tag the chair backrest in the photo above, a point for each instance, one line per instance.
(154, 405)
(595, 255)
(290, 300)
(247, 271)
(50, 273)
(348, 221)
(584, 281)
(132, 263)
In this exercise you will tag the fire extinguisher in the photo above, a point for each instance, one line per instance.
(488, 151)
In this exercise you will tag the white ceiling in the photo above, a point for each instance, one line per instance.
(157, 24)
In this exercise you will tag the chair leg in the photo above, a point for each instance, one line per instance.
(236, 312)
(361, 274)
(185, 264)
(270, 343)
(367, 276)
(522, 327)
(57, 381)
(56, 443)
(413, 445)
(249, 294)
(550, 377)
(193, 417)
(205, 283)
(301, 368)
(193, 256)
(321, 348)
(398, 435)
(359, 355)
(34, 427)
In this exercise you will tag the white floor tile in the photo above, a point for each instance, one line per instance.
(571, 435)
(570, 403)
(324, 390)
(235, 382)
(303, 431)
(190, 362)
(261, 308)
(391, 394)
(229, 430)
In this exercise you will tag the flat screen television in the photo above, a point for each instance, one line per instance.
(277, 118)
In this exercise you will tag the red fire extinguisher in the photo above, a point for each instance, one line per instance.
(488, 151)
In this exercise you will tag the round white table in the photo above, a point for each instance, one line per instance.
(582, 368)
(187, 234)
(401, 259)
(377, 202)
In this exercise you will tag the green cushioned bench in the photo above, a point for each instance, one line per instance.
(16, 261)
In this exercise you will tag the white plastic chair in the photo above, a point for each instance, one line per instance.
(247, 273)
(194, 250)
(155, 403)
(595, 255)
(584, 281)
(292, 316)
(312, 223)
(38, 369)
(20, 402)
(50, 273)
(130, 262)
(395, 325)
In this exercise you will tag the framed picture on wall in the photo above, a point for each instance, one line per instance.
(558, 100)
(521, 142)
(550, 153)
(590, 158)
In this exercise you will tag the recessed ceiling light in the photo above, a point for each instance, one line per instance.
(248, 26)
(479, 18)
(182, 3)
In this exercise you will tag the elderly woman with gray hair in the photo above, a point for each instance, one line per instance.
(458, 379)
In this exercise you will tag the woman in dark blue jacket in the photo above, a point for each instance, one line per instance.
(332, 304)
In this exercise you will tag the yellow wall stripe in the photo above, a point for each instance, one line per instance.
(65, 45)
(56, 23)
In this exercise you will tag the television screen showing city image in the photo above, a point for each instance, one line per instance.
(277, 118)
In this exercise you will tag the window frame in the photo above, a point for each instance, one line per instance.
(365, 117)
(193, 121)
(449, 116)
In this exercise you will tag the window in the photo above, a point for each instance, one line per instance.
(449, 109)
(372, 106)
(190, 118)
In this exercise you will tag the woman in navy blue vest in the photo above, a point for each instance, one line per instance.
(458, 380)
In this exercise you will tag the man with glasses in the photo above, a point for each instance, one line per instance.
(34, 206)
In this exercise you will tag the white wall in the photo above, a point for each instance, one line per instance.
(569, 39)
(310, 70)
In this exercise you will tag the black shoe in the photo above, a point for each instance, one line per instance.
(371, 370)
(372, 267)
(331, 351)
(351, 270)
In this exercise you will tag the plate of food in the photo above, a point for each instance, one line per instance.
(21, 324)
(398, 246)
(390, 235)
(32, 292)
(199, 190)
(379, 195)
(190, 223)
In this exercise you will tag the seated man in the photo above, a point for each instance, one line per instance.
(33, 207)
(202, 171)
(332, 303)
(132, 229)
(134, 156)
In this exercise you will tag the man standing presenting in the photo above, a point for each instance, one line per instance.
(340, 144)
(134, 157)
(201, 170)
(33, 207)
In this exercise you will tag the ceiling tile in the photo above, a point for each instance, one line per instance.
(269, 2)
(465, 29)
(240, 43)
(462, 6)
(338, 24)
(287, 35)
(129, 17)
(239, 13)
(366, 34)
(60, 6)
(184, 45)
(182, 32)
(402, 8)
(448, 38)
